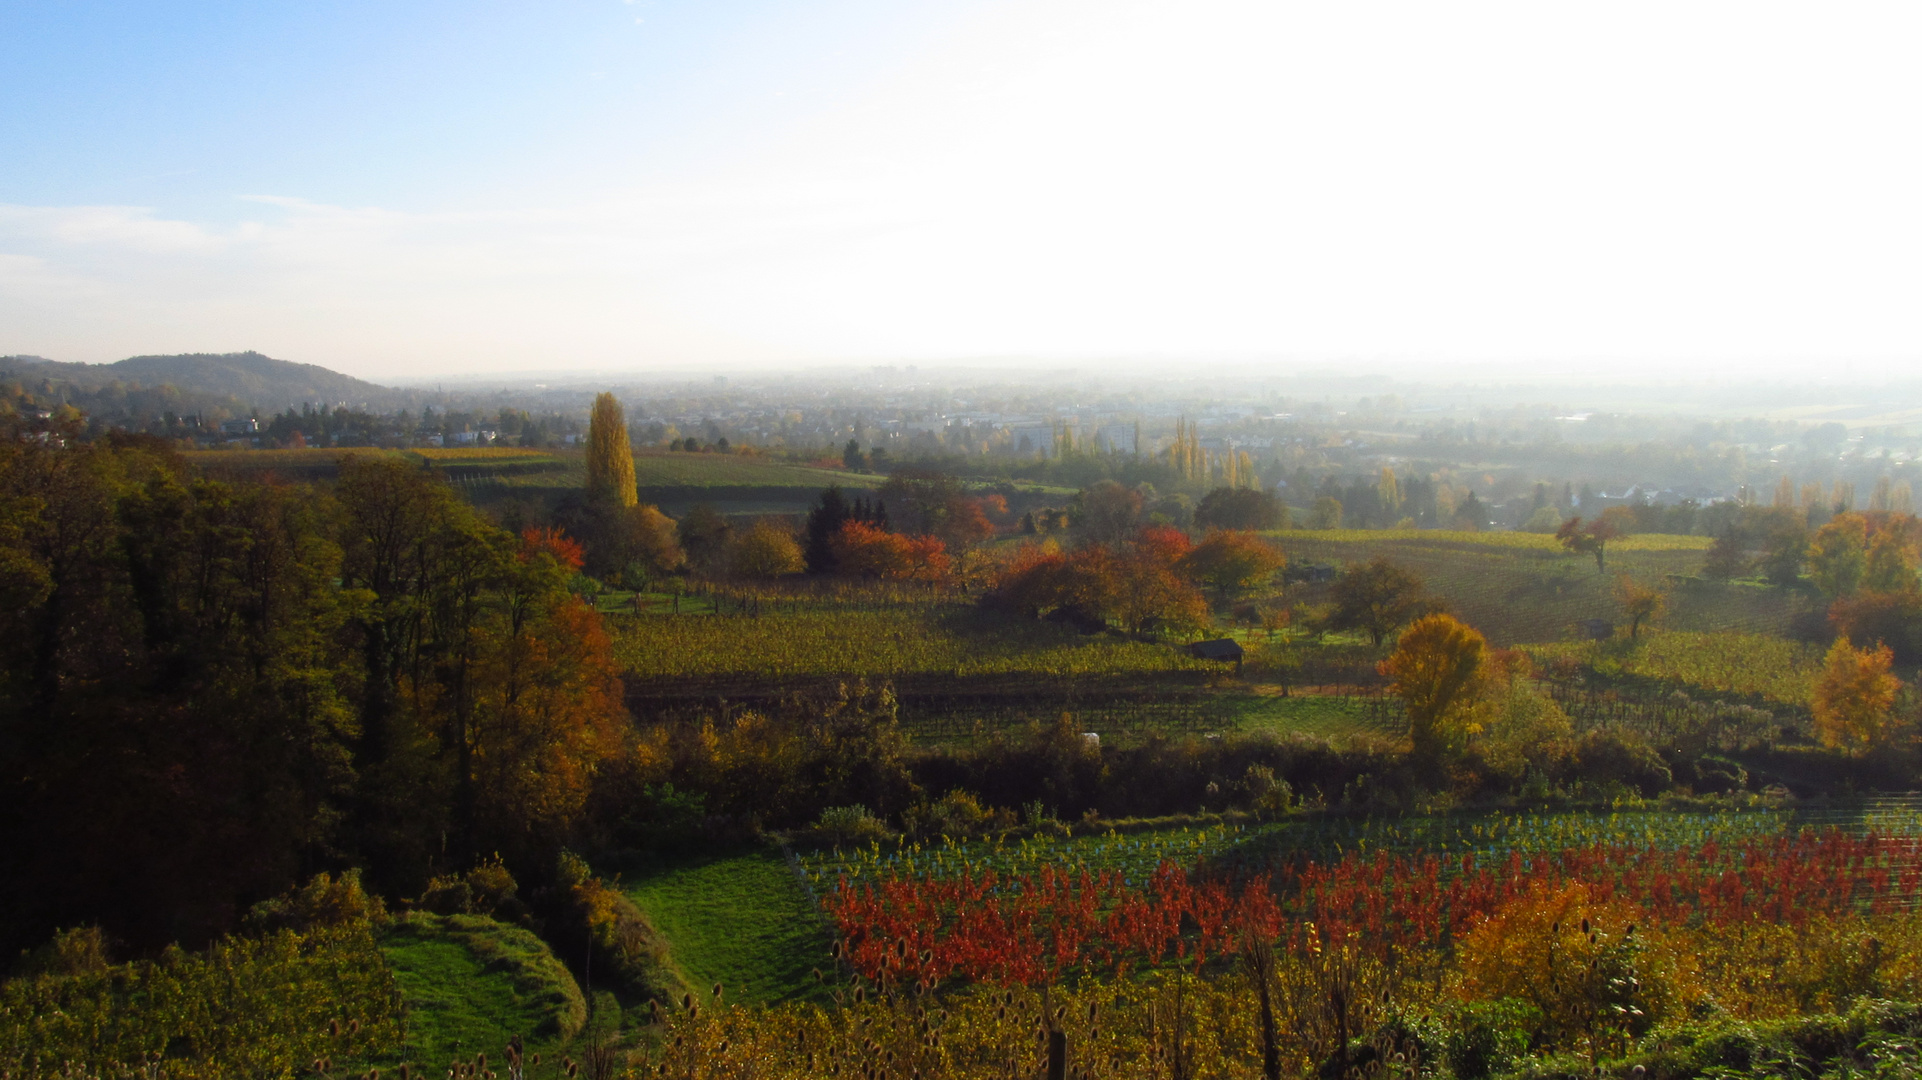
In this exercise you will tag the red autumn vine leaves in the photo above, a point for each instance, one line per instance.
(1039, 927)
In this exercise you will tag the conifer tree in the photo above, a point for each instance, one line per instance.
(610, 464)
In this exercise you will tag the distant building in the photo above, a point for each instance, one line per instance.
(247, 426)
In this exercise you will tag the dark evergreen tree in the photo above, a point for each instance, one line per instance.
(824, 521)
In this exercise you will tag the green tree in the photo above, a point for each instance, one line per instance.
(1241, 508)
(1838, 555)
(1725, 559)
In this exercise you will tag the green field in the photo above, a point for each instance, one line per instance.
(471, 983)
(741, 919)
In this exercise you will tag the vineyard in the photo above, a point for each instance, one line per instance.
(881, 643)
(1242, 847)
(1520, 588)
(1754, 668)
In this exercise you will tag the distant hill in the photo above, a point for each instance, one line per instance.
(260, 381)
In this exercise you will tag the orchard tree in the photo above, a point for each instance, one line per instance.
(1641, 604)
(1437, 670)
(1376, 598)
(1854, 697)
(1590, 539)
(1232, 563)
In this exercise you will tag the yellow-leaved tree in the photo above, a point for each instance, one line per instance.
(1854, 696)
(1437, 669)
(610, 463)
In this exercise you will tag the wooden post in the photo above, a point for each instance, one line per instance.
(1057, 1055)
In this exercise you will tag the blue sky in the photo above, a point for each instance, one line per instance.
(411, 106)
(411, 189)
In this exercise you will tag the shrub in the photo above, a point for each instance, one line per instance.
(1624, 758)
(850, 825)
(586, 915)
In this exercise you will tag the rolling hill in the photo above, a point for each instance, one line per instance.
(250, 377)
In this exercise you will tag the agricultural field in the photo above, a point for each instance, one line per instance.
(740, 919)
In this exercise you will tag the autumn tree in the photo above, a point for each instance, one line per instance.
(1241, 508)
(1887, 618)
(867, 551)
(1590, 539)
(1107, 512)
(1890, 563)
(930, 503)
(1152, 586)
(1641, 604)
(703, 535)
(610, 462)
(1326, 513)
(637, 545)
(1232, 563)
(1725, 559)
(764, 551)
(1437, 671)
(1838, 555)
(1854, 697)
(1376, 598)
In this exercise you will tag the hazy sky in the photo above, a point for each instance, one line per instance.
(398, 189)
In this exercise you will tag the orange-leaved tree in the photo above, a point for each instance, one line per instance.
(1591, 539)
(1437, 670)
(865, 550)
(1854, 697)
(1233, 562)
(1641, 604)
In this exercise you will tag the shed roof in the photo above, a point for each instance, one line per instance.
(1217, 649)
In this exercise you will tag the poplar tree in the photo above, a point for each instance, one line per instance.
(610, 464)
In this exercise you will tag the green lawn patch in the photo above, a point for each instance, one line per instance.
(471, 983)
(740, 919)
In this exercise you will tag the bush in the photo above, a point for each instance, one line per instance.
(487, 889)
(849, 825)
(324, 901)
(1486, 1037)
(585, 915)
(957, 814)
(1621, 757)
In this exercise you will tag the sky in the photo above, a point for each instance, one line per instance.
(405, 190)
